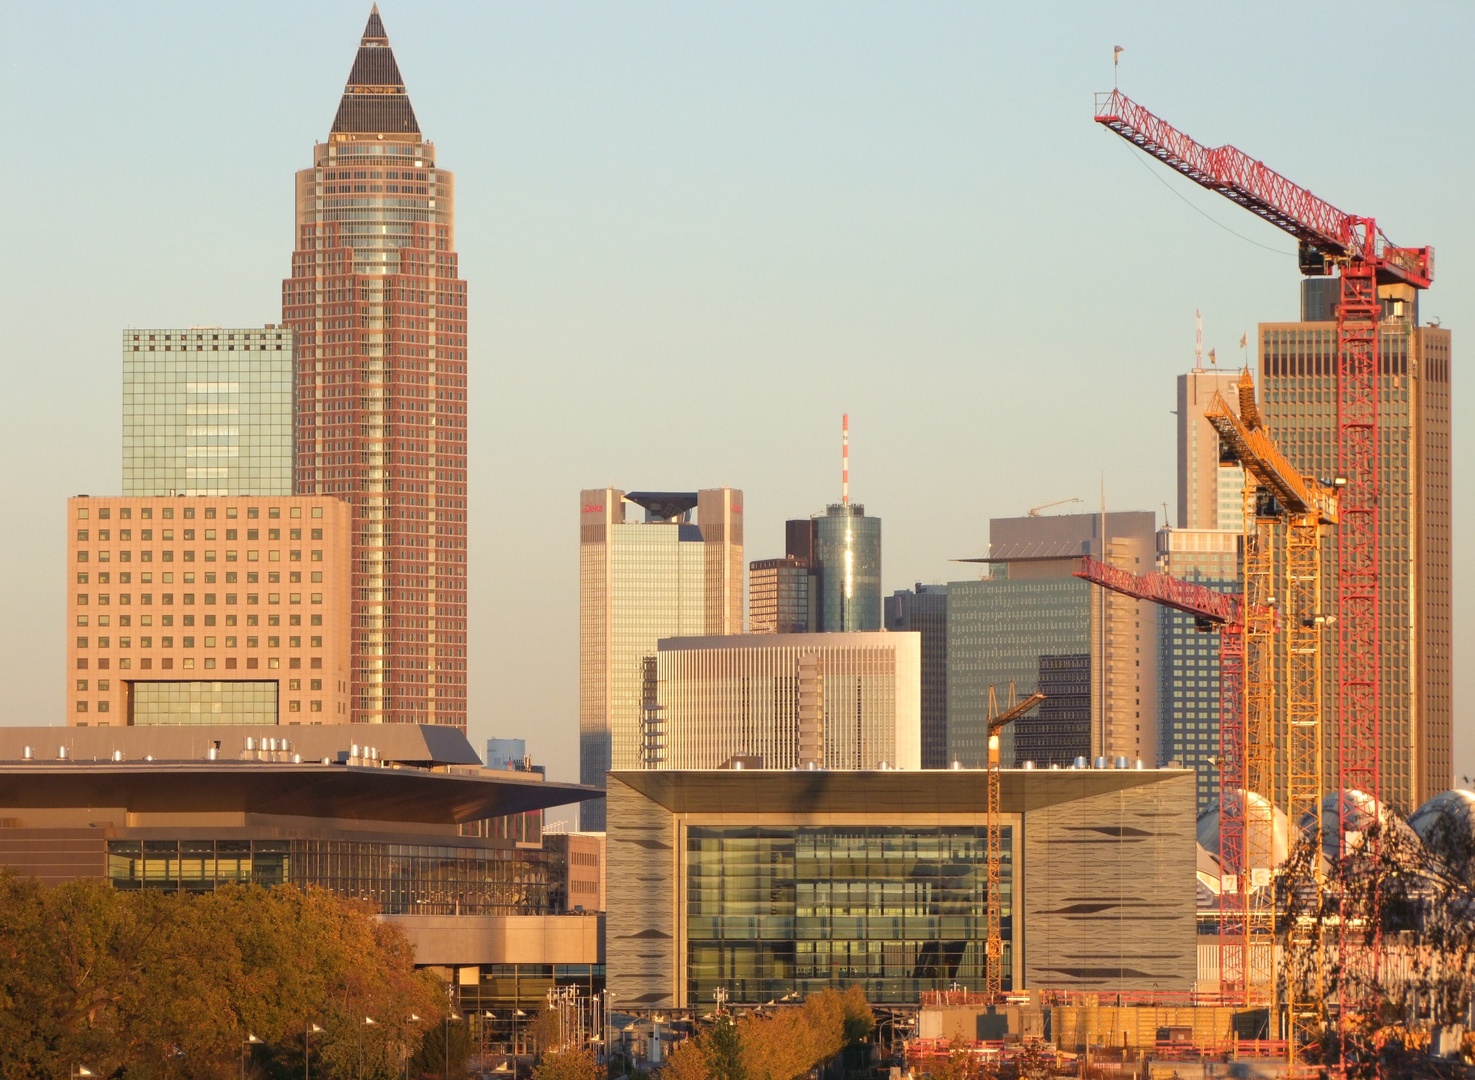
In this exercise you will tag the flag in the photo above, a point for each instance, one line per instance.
(1212, 358)
(1244, 340)
(1116, 54)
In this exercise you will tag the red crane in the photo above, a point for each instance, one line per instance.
(1225, 612)
(1365, 259)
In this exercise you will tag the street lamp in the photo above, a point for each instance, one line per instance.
(516, 1046)
(312, 1029)
(246, 1044)
(369, 1021)
(404, 1049)
(451, 1014)
(82, 1070)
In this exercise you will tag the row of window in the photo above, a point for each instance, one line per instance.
(166, 663)
(187, 641)
(167, 512)
(103, 599)
(125, 577)
(105, 706)
(126, 535)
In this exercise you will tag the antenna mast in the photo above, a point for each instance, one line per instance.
(845, 459)
(1198, 341)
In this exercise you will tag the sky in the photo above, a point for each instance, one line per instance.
(694, 235)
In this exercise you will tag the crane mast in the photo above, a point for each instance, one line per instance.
(994, 974)
(1365, 260)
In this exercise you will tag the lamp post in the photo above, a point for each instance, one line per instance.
(486, 1014)
(369, 1021)
(516, 1046)
(249, 1041)
(450, 1015)
(404, 1049)
(307, 1034)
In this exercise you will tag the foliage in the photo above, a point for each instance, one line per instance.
(1421, 898)
(443, 1051)
(781, 1046)
(546, 1030)
(153, 984)
(569, 1065)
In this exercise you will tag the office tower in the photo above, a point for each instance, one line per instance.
(791, 700)
(1031, 621)
(1208, 497)
(208, 411)
(924, 609)
(1299, 399)
(506, 753)
(847, 564)
(207, 610)
(678, 572)
(1188, 657)
(781, 596)
(380, 315)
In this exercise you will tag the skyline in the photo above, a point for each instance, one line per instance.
(886, 305)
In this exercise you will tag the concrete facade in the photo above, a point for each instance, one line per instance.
(207, 610)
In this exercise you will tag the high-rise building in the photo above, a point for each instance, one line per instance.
(677, 573)
(924, 609)
(506, 753)
(1188, 657)
(1031, 620)
(781, 596)
(1298, 391)
(847, 562)
(833, 701)
(207, 610)
(208, 411)
(380, 316)
(1208, 497)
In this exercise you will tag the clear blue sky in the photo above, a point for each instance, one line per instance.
(694, 234)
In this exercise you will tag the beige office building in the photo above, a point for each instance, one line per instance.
(652, 565)
(832, 701)
(1208, 497)
(1298, 395)
(207, 610)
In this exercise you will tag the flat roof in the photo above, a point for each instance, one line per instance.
(832, 639)
(878, 791)
(310, 789)
(410, 744)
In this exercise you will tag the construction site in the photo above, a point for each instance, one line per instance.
(1330, 912)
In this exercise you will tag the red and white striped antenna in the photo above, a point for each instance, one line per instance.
(845, 459)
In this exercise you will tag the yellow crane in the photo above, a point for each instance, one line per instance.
(1277, 494)
(1034, 511)
(996, 722)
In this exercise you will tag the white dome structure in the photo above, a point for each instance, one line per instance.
(1361, 810)
(1208, 826)
(1448, 816)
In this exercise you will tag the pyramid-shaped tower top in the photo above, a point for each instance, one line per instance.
(374, 101)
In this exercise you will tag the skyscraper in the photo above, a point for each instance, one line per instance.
(781, 596)
(1298, 392)
(207, 411)
(1188, 658)
(1208, 497)
(847, 561)
(380, 315)
(1033, 622)
(924, 609)
(640, 581)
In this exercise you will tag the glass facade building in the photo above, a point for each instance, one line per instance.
(999, 629)
(898, 910)
(677, 573)
(208, 411)
(379, 307)
(399, 878)
(1298, 396)
(1188, 658)
(847, 555)
(924, 610)
(204, 703)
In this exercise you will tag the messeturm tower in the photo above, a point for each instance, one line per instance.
(380, 317)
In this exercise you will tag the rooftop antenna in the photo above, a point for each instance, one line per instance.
(845, 459)
(1198, 341)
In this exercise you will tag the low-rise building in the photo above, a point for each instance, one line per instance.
(394, 814)
(764, 883)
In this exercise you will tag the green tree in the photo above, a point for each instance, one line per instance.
(445, 1049)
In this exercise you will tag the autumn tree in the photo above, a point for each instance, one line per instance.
(575, 1064)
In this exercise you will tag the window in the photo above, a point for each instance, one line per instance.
(316, 684)
(294, 684)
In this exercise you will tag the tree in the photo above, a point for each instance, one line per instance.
(433, 1059)
(569, 1065)
(153, 984)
